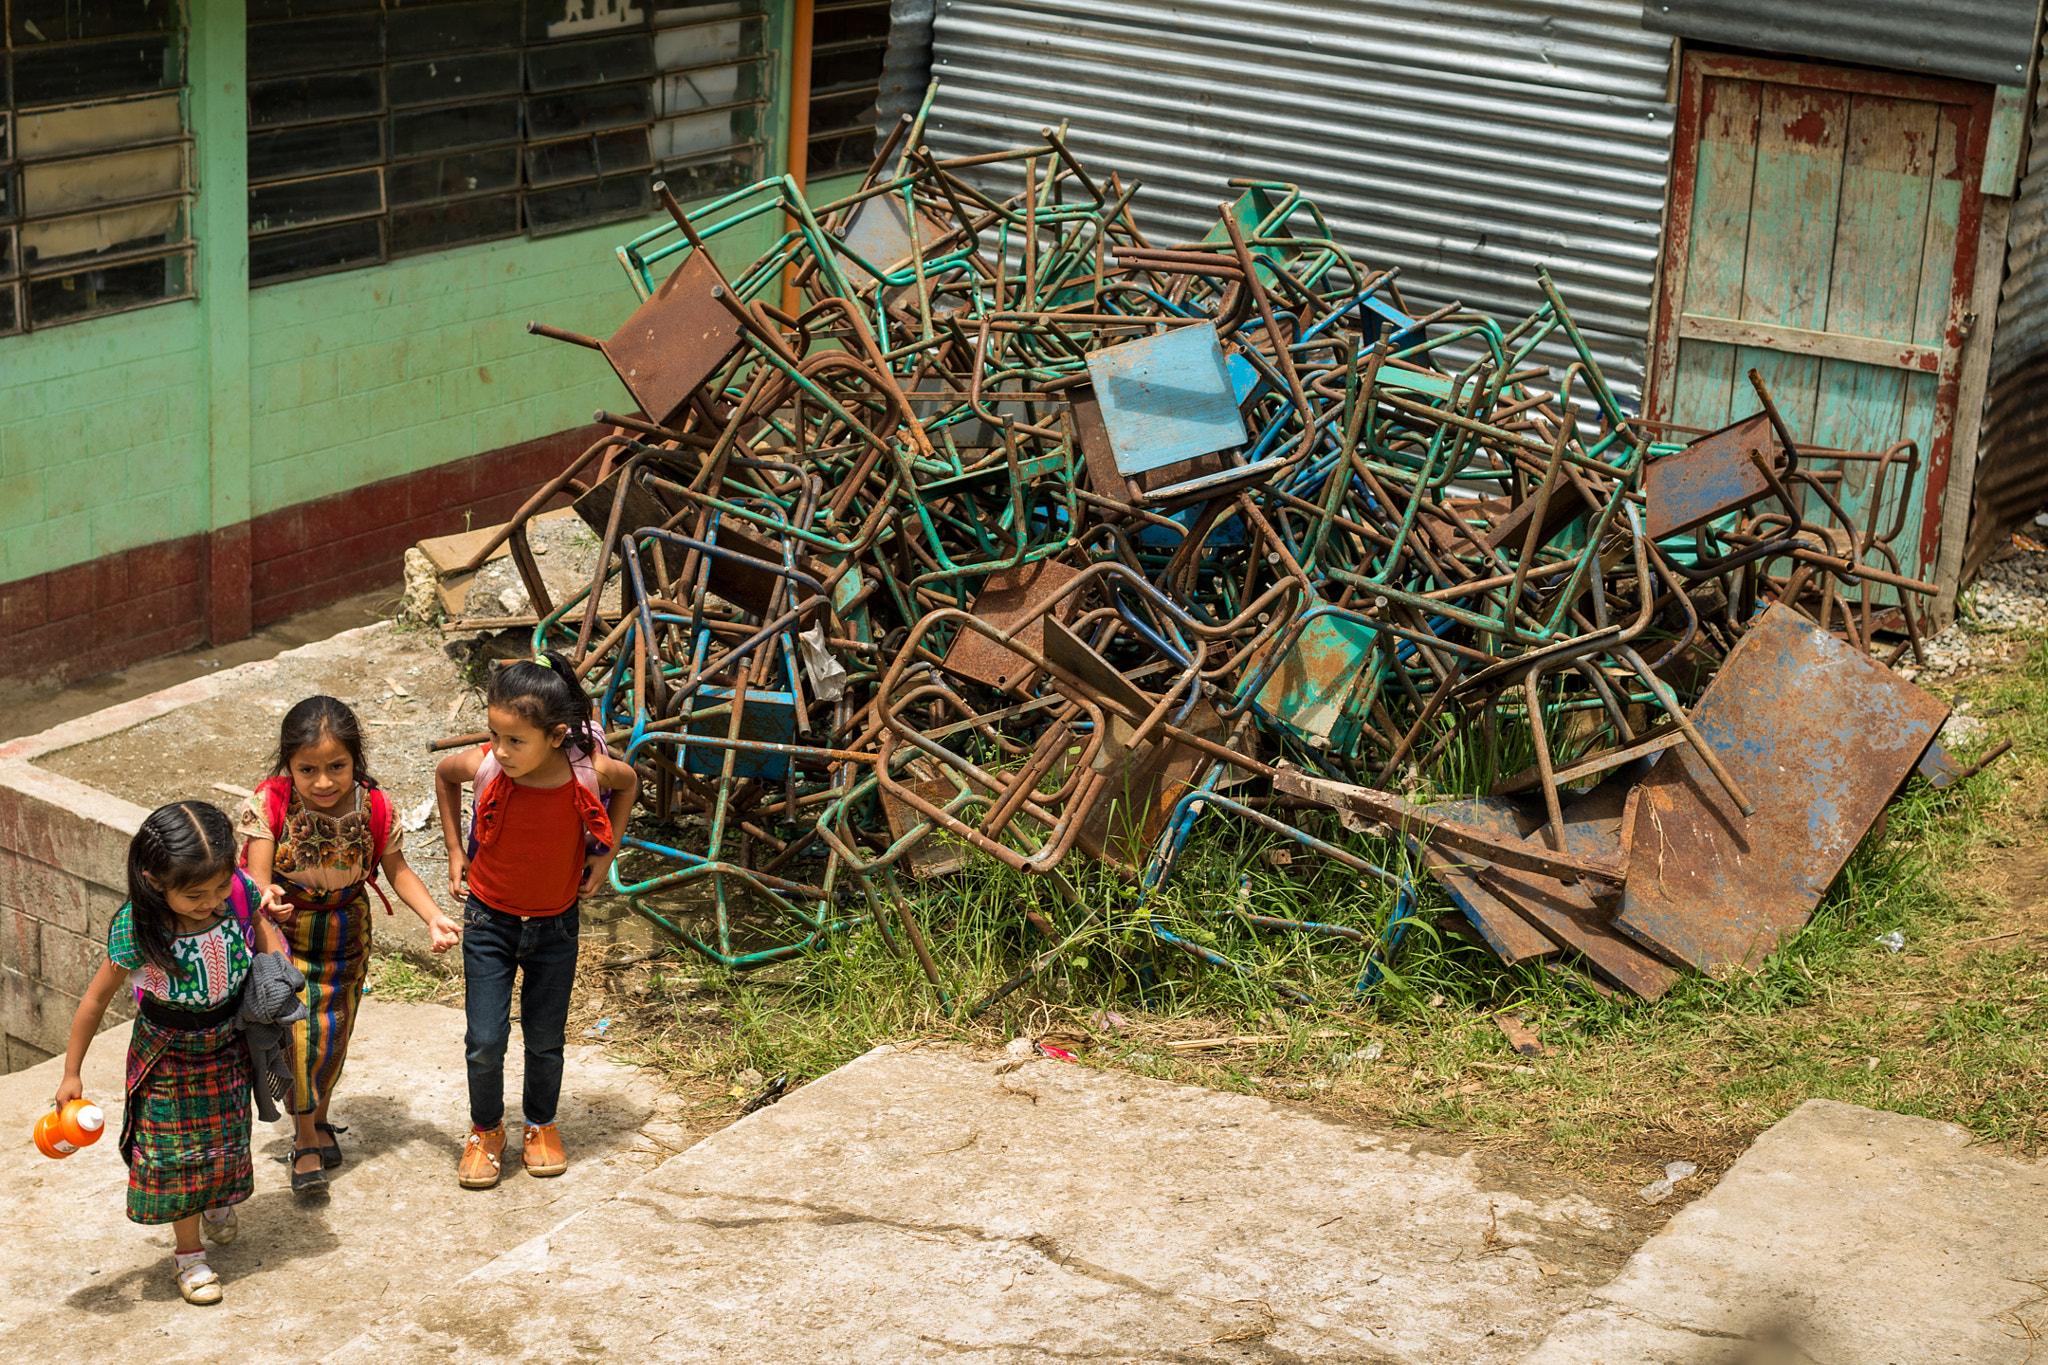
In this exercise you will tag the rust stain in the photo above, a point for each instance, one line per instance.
(1810, 128)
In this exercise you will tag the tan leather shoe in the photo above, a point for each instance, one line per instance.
(480, 1158)
(542, 1151)
(219, 1231)
(198, 1284)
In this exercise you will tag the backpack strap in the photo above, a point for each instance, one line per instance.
(590, 807)
(488, 771)
(381, 820)
(275, 794)
(242, 898)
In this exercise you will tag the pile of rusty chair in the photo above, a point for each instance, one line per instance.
(966, 524)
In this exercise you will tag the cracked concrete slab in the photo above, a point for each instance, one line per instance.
(1844, 1236)
(304, 1277)
(920, 1204)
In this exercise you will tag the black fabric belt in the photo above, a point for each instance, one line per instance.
(190, 1021)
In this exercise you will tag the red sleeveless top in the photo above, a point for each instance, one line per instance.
(534, 863)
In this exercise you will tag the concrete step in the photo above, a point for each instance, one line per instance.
(924, 1203)
(1843, 1236)
(305, 1277)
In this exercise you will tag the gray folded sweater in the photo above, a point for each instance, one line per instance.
(270, 1002)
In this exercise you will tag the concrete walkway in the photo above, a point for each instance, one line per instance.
(923, 1203)
(919, 1205)
(302, 1278)
(1844, 1236)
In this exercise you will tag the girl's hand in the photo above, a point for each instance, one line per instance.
(275, 907)
(69, 1089)
(442, 934)
(458, 875)
(595, 869)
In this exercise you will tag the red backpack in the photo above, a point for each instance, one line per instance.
(276, 794)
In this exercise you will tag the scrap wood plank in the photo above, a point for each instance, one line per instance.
(449, 554)
(1820, 736)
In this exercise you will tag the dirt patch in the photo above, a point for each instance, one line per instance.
(2015, 881)
(400, 684)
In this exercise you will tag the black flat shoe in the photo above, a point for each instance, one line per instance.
(307, 1182)
(330, 1150)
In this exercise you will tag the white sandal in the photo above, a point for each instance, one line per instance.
(219, 1231)
(198, 1284)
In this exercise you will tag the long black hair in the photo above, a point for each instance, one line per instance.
(315, 717)
(180, 845)
(546, 692)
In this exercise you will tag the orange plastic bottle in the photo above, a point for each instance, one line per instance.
(61, 1132)
(81, 1122)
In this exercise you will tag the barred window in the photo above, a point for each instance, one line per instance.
(381, 130)
(95, 160)
(849, 40)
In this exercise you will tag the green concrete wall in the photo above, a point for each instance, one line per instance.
(186, 417)
(374, 373)
(102, 438)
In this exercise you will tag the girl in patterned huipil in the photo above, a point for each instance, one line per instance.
(184, 942)
(319, 830)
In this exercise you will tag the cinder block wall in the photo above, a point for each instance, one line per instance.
(101, 439)
(63, 873)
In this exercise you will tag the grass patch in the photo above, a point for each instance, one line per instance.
(396, 976)
(1953, 1027)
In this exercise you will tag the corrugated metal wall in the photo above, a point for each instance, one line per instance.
(1467, 143)
(1978, 40)
(907, 66)
(2012, 460)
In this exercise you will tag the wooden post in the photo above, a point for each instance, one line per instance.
(799, 123)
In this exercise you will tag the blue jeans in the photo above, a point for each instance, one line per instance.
(495, 945)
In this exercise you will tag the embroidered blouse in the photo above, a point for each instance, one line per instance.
(211, 963)
(322, 853)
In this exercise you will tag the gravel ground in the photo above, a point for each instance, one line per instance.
(2009, 599)
(566, 551)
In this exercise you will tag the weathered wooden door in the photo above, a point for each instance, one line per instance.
(1823, 230)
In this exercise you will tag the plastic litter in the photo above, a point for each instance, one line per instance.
(1674, 1173)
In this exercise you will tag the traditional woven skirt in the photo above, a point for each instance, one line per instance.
(331, 945)
(185, 1129)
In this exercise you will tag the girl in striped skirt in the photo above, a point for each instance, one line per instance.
(184, 942)
(319, 830)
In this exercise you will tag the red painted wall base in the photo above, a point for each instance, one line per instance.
(108, 613)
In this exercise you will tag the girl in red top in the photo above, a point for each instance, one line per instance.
(548, 801)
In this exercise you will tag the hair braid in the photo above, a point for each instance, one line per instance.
(184, 844)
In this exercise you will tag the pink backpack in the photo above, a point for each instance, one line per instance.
(582, 763)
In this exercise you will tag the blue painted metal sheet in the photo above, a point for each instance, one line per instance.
(1166, 399)
(1820, 737)
(770, 718)
(1310, 690)
(1710, 477)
